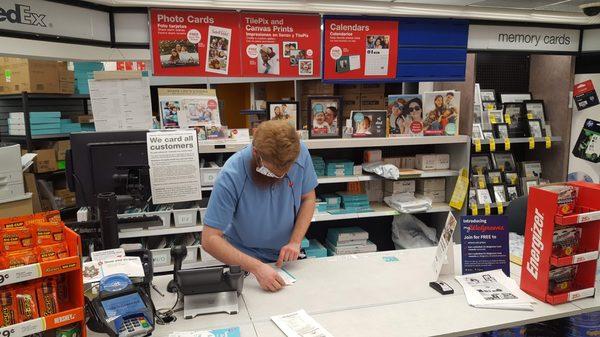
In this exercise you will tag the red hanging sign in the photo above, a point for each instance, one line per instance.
(284, 45)
(360, 49)
(195, 43)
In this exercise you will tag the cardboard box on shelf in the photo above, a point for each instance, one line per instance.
(435, 196)
(65, 75)
(33, 76)
(399, 186)
(31, 187)
(45, 161)
(372, 88)
(426, 161)
(350, 102)
(372, 102)
(66, 87)
(348, 89)
(82, 119)
(433, 184)
(316, 87)
(16, 208)
(61, 148)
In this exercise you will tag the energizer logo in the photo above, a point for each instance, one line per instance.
(22, 14)
(537, 246)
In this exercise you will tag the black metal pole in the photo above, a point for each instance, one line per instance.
(28, 141)
(107, 214)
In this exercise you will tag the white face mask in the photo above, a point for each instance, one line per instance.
(262, 169)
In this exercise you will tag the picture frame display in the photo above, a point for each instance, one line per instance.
(481, 162)
(500, 194)
(488, 135)
(531, 169)
(536, 109)
(504, 161)
(535, 127)
(284, 111)
(515, 98)
(488, 95)
(325, 116)
(526, 183)
(517, 118)
(477, 131)
(501, 130)
(369, 123)
(511, 178)
(494, 177)
(483, 196)
(512, 192)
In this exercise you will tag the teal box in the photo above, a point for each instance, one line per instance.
(36, 114)
(45, 132)
(315, 249)
(332, 199)
(355, 204)
(88, 127)
(304, 243)
(352, 197)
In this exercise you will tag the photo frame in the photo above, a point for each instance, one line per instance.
(526, 183)
(504, 161)
(488, 135)
(517, 118)
(536, 108)
(488, 95)
(483, 196)
(511, 178)
(494, 177)
(515, 98)
(475, 180)
(323, 111)
(285, 111)
(488, 116)
(477, 131)
(512, 192)
(535, 128)
(369, 123)
(531, 169)
(472, 197)
(501, 130)
(482, 162)
(499, 192)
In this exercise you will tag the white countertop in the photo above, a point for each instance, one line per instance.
(363, 295)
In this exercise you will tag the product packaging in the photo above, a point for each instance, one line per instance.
(8, 307)
(566, 197)
(52, 252)
(566, 241)
(20, 258)
(48, 233)
(47, 296)
(26, 302)
(16, 238)
(562, 279)
(426, 161)
(442, 161)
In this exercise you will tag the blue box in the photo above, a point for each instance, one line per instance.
(88, 127)
(304, 243)
(315, 249)
(353, 197)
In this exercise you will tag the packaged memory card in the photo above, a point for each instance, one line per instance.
(587, 146)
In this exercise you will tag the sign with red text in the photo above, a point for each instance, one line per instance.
(195, 43)
(360, 49)
(284, 45)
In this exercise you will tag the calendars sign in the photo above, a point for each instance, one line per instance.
(360, 49)
(280, 45)
(195, 43)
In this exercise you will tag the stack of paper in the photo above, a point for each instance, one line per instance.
(299, 324)
(494, 290)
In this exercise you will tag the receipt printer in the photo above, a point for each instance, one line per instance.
(122, 308)
(210, 290)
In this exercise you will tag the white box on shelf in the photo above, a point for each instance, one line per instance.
(399, 186)
(192, 254)
(435, 196)
(186, 217)
(374, 189)
(432, 184)
(165, 217)
(208, 175)
(407, 162)
(393, 161)
(425, 161)
(442, 161)
(357, 170)
(161, 257)
(202, 215)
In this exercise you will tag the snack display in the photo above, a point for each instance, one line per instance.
(26, 301)
(52, 252)
(16, 238)
(48, 232)
(561, 279)
(566, 241)
(20, 258)
(47, 296)
(8, 306)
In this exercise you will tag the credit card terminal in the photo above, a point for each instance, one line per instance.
(134, 326)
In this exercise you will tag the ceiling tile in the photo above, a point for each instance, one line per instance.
(529, 4)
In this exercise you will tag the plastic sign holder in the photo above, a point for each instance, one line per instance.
(543, 218)
(443, 263)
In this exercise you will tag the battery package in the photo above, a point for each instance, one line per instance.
(567, 195)
(26, 302)
(8, 307)
(566, 241)
(16, 238)
(561, 280)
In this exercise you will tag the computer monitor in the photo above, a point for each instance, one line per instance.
(96, 156)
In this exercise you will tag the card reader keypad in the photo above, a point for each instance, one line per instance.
(134, 326)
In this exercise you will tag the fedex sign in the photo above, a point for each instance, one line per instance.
(22, 14)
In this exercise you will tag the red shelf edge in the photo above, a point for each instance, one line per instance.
(564, 298)
(42, 324)
(568, 260)
(48, 268)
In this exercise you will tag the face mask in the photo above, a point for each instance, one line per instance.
(266, 172)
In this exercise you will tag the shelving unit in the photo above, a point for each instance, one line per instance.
(520, 140)
(30, 103)
(159, 232)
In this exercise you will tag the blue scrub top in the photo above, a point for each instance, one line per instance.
(255, 219)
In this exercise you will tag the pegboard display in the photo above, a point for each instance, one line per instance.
(505, 73)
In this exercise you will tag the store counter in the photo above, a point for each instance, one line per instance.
(383, 293)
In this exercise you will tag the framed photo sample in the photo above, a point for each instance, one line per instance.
(476, 178)
(284, 111)
(477, 131)
(504, 161)
(517, 118)
(511, 178)
(536, 109)
(536, 128)
(472, 197)
(515, 98)
(512, 192)
(483, 196)
(488, 135)
(325, 116)
(531, 169)
(500, 194)
(480, 163)
(526, 183)
(369, 123)
(488, 95)
(494, 177)
(500, 130)
(489, 117)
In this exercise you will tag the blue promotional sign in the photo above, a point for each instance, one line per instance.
(484, 241)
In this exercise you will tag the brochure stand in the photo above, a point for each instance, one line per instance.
(443, 263)
(544, 216)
